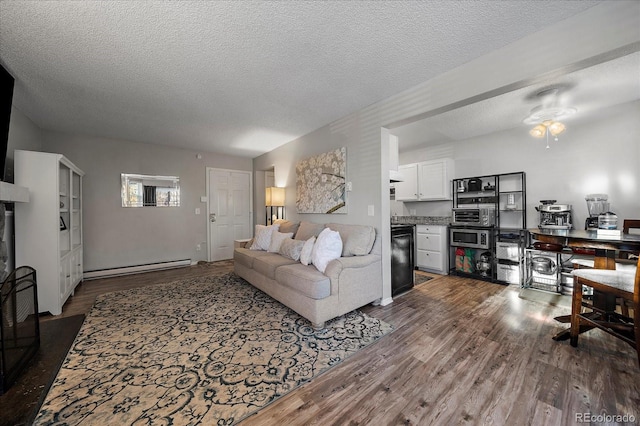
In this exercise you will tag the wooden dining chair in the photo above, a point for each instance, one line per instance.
(629, 224)
(623, 284)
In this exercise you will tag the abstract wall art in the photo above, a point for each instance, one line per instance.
(321, 183)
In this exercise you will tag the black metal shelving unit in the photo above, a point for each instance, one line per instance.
(506, 194)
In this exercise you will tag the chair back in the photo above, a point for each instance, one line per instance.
(628, 224)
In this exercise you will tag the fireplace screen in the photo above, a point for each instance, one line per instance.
(20, 326)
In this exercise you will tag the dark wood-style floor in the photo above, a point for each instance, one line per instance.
(463, 352)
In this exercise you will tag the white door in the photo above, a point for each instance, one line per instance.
(229, 212)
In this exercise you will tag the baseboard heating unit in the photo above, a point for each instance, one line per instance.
(126, 270)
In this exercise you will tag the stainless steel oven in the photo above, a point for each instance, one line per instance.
(481, 216)
(477, 238)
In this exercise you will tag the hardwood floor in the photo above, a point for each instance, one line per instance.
(85, 294)
(463, 352)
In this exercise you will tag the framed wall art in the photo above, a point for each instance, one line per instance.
(321, 183)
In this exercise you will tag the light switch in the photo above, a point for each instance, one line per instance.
(197, 210)
(370, 210)
(203, 199)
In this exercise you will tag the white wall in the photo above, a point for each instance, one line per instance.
(23, 134)
(115, 236)
(597, 154)
(563, 47)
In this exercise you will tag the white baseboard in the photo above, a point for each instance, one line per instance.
(126, 270)
(386, 301)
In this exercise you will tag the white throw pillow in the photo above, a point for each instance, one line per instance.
(262, 237)
(276, 240)
(307, 249)
(328, 246)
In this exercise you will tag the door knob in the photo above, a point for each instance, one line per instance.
(212, 217)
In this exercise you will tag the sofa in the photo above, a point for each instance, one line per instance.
(351, 281)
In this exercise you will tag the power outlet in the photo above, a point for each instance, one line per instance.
(198, 247)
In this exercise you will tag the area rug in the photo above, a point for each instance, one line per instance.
(209, 350)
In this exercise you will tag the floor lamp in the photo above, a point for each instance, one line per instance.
(274, 197)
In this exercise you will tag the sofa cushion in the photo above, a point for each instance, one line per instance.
(308, 230)
(267, 265)
(287, 226)
(291, 249)
(262, 237)
(245, 256)
(328, 247)
(357, 240)
(305, 280)
(276, 240)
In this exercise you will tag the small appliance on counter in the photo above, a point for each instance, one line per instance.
(608, 221)
(554, 216)
(600, 217)
(483, 216)
(596, 204)
(474, 184)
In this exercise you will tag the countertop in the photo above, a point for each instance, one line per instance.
(421, 220)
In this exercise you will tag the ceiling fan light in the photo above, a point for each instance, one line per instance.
(556, 128)
(538, 131)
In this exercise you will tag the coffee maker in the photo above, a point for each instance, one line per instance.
(554, 216)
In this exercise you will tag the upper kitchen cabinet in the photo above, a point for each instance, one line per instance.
(425, 181)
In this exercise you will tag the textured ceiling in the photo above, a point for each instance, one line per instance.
(589, 90)
(239, 77)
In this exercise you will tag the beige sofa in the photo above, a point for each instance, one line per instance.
(352, 281)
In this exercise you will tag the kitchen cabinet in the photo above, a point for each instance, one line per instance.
(407, 189)
(432, 252)
(48, 229)
(425, 181)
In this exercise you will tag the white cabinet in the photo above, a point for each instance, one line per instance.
(48, 229)
(432, 251)
(425, 181)
(407, 190)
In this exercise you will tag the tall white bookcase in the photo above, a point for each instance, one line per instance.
(48, 229)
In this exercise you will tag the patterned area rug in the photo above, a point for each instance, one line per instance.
(209, 350)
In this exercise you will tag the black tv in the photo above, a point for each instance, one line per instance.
(6, 98)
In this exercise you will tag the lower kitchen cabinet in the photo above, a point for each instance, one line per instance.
(432, 249)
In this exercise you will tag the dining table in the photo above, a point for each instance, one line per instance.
(606, 245)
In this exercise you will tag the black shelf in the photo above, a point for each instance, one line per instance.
(505, 188)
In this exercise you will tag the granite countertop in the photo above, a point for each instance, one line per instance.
(421, 220)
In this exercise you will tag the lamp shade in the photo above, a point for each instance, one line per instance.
(274, 197)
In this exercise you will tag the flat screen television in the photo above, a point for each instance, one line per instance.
(6, 98)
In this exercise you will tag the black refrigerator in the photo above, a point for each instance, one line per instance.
(402, 258)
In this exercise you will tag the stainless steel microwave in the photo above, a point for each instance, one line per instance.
(470, 237)
(481, 216)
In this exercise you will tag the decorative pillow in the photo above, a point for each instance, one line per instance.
(291, 249)
(357, 240)
(262, 237)
(307, 250)
(328, 247)
(276, 240)
(287, 225)
(308, 230)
